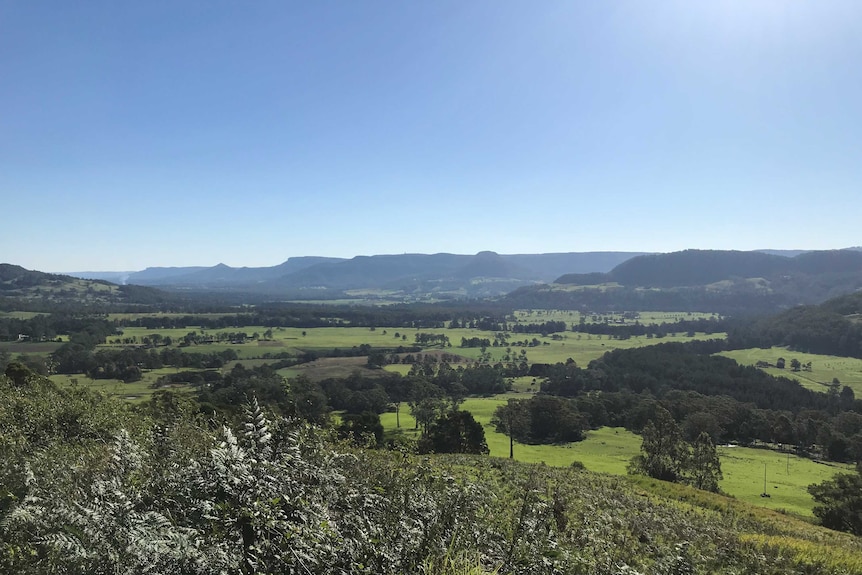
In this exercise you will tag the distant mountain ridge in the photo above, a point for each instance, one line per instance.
(707, 280)
(485, 273)
(701, 267)
(222, 274)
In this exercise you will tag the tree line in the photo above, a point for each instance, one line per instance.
(703, 393)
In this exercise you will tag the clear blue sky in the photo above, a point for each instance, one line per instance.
(136, 134)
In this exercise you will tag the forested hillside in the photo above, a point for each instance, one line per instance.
(833, 328)
(728, 282)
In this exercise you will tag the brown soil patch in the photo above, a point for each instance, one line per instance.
(331, 367)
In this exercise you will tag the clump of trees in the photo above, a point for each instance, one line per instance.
(541, 419)
(667, 456)
(454, 432)
(838, 501)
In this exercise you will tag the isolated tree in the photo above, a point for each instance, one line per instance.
(376, 360)
(513, 419)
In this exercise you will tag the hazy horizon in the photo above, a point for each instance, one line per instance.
(195, 265)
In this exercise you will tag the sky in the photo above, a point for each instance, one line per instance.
(163, 133)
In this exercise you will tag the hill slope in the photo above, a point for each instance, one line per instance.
(22, 289)
(705, 280)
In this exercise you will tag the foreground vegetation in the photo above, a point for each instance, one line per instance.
(92, 485)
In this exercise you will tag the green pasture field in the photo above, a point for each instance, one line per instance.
(40, 348)
(288, 339)
(609, 450)
(247, 351)
(21, 314)
(583, 348)
(787, 477)
(606, 450)
(824, 368)
(135, 391)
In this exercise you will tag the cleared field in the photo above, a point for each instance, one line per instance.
(292, 340)
(401, 368)
(584, 348)
(787, 477)
(609, 450)
(606, 450)
(40, 348)
(21, 314)
(581, 347)
(135, 391)
(331, 367)
(824, 368)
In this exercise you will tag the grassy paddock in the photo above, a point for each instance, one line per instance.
(21, 314)
(40, 348)
(824, 368)
(583, 348)
(332, 367)
(787, 477)
(609, 450)
(135, 391)
(292, 340)
(587, 348)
